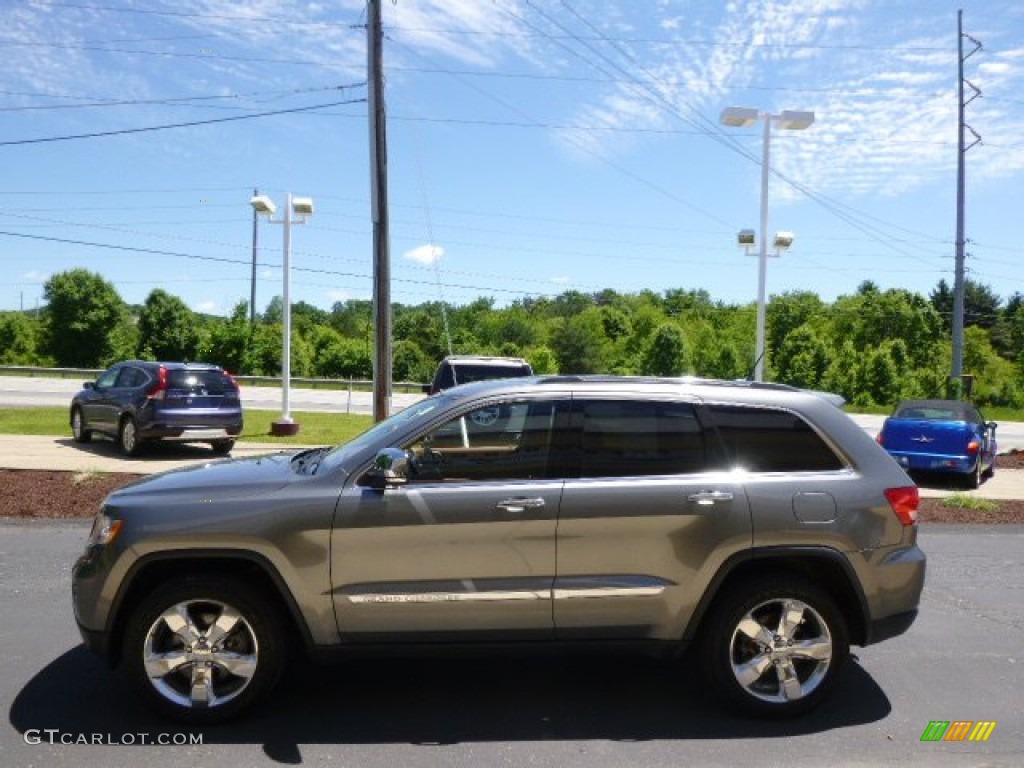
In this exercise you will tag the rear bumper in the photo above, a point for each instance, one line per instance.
(935, 462)
(186, 433)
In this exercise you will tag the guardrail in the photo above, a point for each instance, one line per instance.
(351, 385)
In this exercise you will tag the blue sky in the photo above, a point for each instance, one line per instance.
(535, 146)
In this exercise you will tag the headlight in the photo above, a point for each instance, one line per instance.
(104, 530)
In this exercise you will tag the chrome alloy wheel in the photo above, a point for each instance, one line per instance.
(200, 654)
(781, 651)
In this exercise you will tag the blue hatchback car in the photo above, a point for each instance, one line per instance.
(941, 436)
(137, 401)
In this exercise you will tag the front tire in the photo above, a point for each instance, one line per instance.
(222, 447)
(775, 649)
(202, 650)
(78, 430)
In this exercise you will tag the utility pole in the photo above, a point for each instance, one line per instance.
(957, 367)
(379, 209)
(255, 250)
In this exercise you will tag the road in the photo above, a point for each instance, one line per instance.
(961, 661)
(18, 391)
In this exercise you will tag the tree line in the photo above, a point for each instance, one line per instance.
(872, 346)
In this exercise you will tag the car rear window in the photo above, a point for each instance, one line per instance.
(768, 440)
(464, 374)
(200, 382)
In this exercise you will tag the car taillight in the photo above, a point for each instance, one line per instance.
(904, 502)
(159, 390)
(973, 447)
(880, 439)
(232, 380)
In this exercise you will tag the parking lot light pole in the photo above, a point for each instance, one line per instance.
(303, 208)
(739, 117)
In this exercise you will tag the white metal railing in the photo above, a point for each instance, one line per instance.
(350, 384)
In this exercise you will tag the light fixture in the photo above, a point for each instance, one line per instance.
(746, 238)
(301, 207)
(263, 204)
(790, 119)
(783, 240)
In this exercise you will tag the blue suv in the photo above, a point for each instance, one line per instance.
(137, 401)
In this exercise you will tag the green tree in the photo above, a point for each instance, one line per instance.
(802, 360)
(881, 378)
(409, 363)
(19, 338)
(542, 360)
(168, 329)
(787, 312)
(981, 304)
(345, 359)
(82, 310)
(667, 354)
(579, 343)
(228, 342)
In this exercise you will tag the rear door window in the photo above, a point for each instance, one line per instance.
(770, 440)
(624, 438)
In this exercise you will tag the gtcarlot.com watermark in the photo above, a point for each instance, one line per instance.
(35, 736)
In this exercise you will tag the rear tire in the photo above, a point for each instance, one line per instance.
(78, 430)
(775, 649)
(128, 437)
(973, 480)
(200, 650)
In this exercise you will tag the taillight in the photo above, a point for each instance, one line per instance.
(232, 379)
(880, 439)
(904, 502)
(159, 390)
(973, 447)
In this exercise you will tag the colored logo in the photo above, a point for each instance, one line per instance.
(958, 730)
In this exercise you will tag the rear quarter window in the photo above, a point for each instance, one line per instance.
(770, 440)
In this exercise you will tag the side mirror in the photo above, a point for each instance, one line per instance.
(390, 469)
(426, 388)
(992, 425)
(88, 385)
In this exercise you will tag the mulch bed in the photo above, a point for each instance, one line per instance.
(53, 495)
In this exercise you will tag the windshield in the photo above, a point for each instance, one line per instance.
(378, 432)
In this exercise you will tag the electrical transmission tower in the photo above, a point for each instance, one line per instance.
(958, 281)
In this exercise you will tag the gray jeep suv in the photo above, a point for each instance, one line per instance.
(754, 522)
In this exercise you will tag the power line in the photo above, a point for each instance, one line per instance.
(172, 100)
(189, 124)
(209, 16)
(675, 42)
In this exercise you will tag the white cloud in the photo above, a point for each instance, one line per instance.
(339, 295)
(35, 275)
(208, 307)
(561, 280)
(425, 254)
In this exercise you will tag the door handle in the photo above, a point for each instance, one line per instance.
(517, 506)
(707, 498)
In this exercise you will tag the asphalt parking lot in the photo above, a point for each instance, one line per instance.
(960, 661)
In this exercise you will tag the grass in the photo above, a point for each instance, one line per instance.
(317, 428)
(963, 501)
